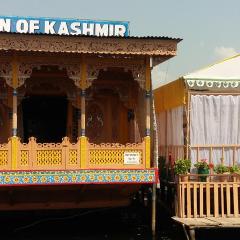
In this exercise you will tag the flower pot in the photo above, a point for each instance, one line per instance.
(184, 178)
(224, 177)
(203, 171)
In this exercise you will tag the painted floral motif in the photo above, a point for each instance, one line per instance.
(78, 176)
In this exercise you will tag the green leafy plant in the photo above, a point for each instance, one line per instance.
(221, 168)
(203, 165)
(234, 169)
(182, 166)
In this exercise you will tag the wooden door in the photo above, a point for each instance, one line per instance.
(106, 119)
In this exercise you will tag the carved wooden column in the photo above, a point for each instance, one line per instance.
(148, 102)
(83, 139)
(14, 139)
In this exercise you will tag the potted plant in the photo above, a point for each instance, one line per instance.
(222, 169)
(234, 170)
(182, 167)
(203, 167)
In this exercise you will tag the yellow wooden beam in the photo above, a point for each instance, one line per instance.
(83, 152)
(147, 151)
(14, 152)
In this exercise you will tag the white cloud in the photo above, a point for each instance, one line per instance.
(224, 52)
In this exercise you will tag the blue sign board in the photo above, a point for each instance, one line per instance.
(58, 26)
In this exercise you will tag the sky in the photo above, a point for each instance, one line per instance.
(209, 28)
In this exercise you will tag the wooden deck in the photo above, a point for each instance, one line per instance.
(209, 222)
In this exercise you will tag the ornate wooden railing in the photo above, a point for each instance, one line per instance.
(217, 197)
(15, 155)
(112, 155)
(232, 149)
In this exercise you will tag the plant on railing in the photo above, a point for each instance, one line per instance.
(234, 169)
(223, 170)
(182, 167)
(203, 167)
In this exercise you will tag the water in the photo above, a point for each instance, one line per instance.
(132, 223)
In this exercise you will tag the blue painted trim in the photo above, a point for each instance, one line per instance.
(77, 177)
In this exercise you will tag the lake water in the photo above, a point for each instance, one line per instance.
(131, 223)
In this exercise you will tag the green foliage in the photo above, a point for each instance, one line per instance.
(182, 166)
(221, 168)
(203, 165)
(234, 169)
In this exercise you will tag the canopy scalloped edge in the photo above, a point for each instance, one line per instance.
(203, 83)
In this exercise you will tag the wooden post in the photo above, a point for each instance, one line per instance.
(14, 139)
(83, 139)
(148, 95)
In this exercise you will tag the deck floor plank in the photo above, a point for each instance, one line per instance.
(208, 222)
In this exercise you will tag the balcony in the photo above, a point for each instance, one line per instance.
(15, 155)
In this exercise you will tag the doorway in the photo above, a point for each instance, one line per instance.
(45, 117)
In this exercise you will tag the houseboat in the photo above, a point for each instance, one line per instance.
(75, 112)
(198, 120)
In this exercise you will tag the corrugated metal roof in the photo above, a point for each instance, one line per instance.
(116, 37)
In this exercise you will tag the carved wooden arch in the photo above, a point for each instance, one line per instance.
(137, 70)
(25, 71)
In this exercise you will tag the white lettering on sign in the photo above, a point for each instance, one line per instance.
(49, 27)
(64, 26)
(33, 26)
(101, 30)
(131, 158)
(75, 26)
(22, 26)
(63, 29)
(88, 29)
(5, 25)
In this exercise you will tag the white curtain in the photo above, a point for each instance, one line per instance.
(215, 120)
(170, 131)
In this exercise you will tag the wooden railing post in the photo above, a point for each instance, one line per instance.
(14, 151)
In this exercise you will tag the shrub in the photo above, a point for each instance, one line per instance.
(221, 168)
(182, 166)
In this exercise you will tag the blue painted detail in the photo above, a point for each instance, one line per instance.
(147, 132)
(78, 176)
(14, 132)
(83, 132)
(14, 92)
(62, 26)
(148, 94)
(83, 93)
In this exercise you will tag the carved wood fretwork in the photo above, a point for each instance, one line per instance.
(138, 71)
(92, 45)
(73, 68)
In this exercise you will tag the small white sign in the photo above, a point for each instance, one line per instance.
(131, 158)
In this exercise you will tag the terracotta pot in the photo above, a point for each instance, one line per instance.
(224, 178)
(184, 178)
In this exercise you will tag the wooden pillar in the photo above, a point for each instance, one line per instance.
(14, 112)
(147, 102)
(83, 113)
(14, 139)
(83, 139)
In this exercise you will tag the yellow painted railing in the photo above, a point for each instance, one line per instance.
(217, 197)
(15, 155)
